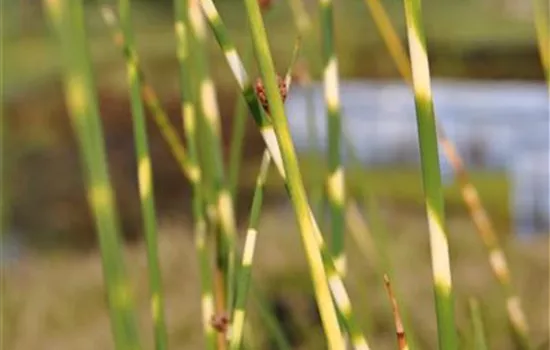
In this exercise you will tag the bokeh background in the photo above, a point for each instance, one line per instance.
(491, 99)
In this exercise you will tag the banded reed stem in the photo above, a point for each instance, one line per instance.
(67, 20)
(225, 243)
(189, 115)
(145, 179)
(245, 271)
(431, 177)
(150, 98)
(335, 180)
(478, 213)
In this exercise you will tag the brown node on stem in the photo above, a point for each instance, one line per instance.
(261, 92)
(220, 322)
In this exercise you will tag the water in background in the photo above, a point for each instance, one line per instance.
(495, 125)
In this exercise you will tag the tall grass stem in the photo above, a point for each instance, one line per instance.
(67, 20)
(145, 179)
(427, 135)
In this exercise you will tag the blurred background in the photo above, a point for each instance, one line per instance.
(490, 97)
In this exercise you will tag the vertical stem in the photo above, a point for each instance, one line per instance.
(189, 116)
(542, 26)
(335, 180)
(236, 149)
(211, 119)
(441, 267)
(479, 215)
(298, 197)
(67, 19)
(145, 178)
(248, 255)
(477, 326)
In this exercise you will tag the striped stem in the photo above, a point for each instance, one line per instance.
(497, 259)
(335, 180)
(145, 179)
(337, 287)
(480, 217)
(248, 255)
(67, 20)
(427, 135)
(189, 116)
(477, 326)
(317, 254)
(150, 98)
(211, 119)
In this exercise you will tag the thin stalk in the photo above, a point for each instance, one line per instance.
(211, 119)
(189, 116)
(431, 177)
(335, 180)
(293, 181)
(150, 98)
(248, 256)
(252, 232)
(390, 37)
(399, 330)
(295, 185)
(542, 26)
(478, 213)
(145, 179)
(497, 259)
(477, 326)
(67, 19)
(236, 148)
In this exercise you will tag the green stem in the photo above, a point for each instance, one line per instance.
(479, 215)
(211, 120)
(335, 180)
(427, 135)
(150, 98)
(67, 19)
(145, 178)
(477, 326)
(248, 255)
(189, 116)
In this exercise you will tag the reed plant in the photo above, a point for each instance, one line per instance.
(335, 178)
(290, 173)
(226, 294)
(145, 180)
(431, 177)
(189, 115)
(67, 21)
(470, 195)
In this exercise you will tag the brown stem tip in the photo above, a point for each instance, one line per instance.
(261, 93)
(399, 330)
